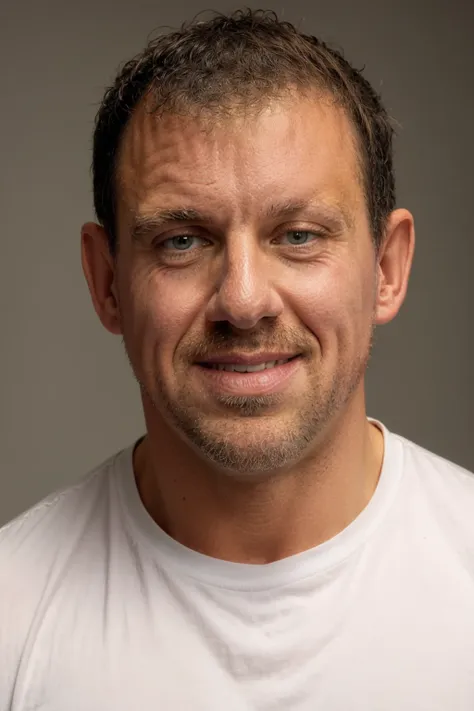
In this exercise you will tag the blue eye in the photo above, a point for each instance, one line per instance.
(180, 243)
(300, 236)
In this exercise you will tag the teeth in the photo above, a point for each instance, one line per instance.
(237, 368)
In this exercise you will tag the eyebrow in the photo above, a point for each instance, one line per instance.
(146, 223)
(336, 213)
(143, 224)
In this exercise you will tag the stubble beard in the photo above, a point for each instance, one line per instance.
(254, 439)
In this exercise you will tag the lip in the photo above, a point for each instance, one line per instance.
(263, 382)
(242, 359)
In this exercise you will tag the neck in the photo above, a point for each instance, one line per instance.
(270, 519)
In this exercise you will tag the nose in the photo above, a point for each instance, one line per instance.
(245, 291)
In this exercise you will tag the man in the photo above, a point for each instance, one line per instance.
(266, 545)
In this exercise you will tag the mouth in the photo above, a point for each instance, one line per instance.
(263, 376)
(247, 367)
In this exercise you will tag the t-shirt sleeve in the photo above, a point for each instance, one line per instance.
(12, 623)
(22, 583)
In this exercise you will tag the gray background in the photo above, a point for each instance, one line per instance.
(68, 399)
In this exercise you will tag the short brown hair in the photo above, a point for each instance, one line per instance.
(248, 55)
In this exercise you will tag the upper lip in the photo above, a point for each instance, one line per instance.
(242, 359)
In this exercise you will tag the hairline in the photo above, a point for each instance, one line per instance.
(230, 109)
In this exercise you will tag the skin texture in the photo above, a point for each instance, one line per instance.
(250, 478)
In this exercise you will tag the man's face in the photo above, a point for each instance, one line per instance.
(249, 243)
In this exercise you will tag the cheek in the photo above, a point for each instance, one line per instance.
(159, 313)
(336, 303)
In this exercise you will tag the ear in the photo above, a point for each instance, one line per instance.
(100, 272)
(394, 260)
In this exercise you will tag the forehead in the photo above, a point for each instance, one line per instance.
(294, 149)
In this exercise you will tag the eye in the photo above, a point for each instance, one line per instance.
(180, 243)
(300, 237)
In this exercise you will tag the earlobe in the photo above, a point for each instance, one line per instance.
(100, 273)
(394, 264)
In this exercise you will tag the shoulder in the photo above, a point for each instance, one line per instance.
(33, 543)
(36, 548)
(443, 488)
(435, 469)
(47, 525)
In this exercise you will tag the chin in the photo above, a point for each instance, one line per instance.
(247, 447)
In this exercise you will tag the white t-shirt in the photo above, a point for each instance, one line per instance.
(100, 609)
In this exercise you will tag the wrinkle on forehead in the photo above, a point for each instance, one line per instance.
(246, 157)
